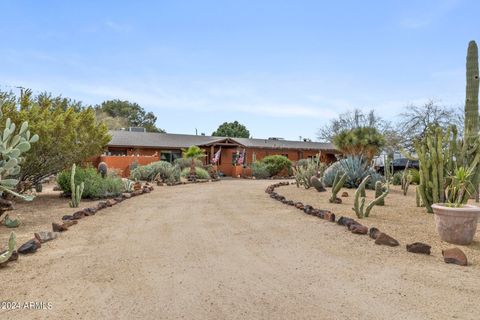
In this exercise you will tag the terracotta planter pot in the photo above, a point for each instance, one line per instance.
(456, 225)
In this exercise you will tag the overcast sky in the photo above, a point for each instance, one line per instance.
(282, 68)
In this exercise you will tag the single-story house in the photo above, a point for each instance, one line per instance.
(129, 147)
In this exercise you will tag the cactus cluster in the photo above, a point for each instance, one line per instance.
(359, 205)
(303, 174)
(338, 183)
(76, 190)
(12, 145)
(12, 242)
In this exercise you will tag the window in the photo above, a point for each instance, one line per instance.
(117, 152)
(170, 156)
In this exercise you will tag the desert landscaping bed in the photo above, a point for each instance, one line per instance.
(399, 218)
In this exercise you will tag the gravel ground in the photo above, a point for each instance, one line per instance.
(227, 251)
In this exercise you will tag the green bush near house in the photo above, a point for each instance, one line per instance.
(275, 164)
(95, 185)
(259, 170)
(201, 173)
(164, 170)
(183, 163)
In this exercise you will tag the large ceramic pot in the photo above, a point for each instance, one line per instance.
(456, 225)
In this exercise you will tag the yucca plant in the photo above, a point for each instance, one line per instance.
(459, 189)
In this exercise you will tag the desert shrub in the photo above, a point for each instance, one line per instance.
(259, 170)
(275, 164)
(302, 163)
(201, 173)
(95, 185)
(183, 163)
(356, 169)
(397, 178)
(69, 132)
(415, 176)
(161, 170)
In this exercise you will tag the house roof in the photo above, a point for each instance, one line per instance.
(122, 138)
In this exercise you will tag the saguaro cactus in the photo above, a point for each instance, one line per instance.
(359, 205)
(75, 190)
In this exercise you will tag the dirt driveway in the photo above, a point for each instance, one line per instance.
(227, 251)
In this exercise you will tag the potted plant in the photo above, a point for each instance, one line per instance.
(456, 221)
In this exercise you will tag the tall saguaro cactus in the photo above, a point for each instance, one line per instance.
(471, 111)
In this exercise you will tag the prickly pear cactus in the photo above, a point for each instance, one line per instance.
(12, 242)
(13, 143)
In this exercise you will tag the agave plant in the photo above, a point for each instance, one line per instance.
(356, 168)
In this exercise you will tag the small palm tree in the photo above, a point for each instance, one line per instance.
(193, 153)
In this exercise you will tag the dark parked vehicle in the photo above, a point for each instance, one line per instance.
(399, 165)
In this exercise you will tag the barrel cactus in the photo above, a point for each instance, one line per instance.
(13, 143)
(102, 169)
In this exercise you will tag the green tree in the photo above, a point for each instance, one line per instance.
(70, 134)
(134, 114)
(363, 141)
(232, 129)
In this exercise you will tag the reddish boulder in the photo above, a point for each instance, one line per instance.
(79, 215)
(418, 247)
(373, 232)
(111, 202)
(67, 217)
(386, 240)
(70, 223)
(358, 229)
(56, 227)
(455, 256)
(329, 216)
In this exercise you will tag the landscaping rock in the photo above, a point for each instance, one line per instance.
(79, 215)
(418, 247)
(30, 246)
(290, 203)
(56, 227)
(118, 199)
(146, 190)
(67, 217)
(307, 209)
(126, 195)
(44, 236)
(299, 205)
(329, 216)
(111, 202)
(358, 229)
(373, 232)
(69, 223)
(91, 211)
(101, 205)
(345, 221)
(386, 240)
(136, 193)
(344, 194)
(455, 256)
